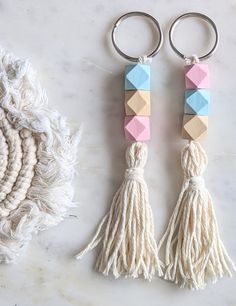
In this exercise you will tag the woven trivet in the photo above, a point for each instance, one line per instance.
(37, 158)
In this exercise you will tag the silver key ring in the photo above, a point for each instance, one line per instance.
(198, 15)
(131, 14)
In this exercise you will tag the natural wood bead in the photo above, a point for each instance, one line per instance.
(194, 127)
(137, 102)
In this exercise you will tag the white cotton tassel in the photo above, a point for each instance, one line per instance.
(127, 231)
(194, 252)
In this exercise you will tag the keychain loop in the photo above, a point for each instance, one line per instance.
(201, 16)
(131, 14)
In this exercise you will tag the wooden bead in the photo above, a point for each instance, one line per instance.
(137, 77)
(197, 102)
(137, 102)
(137, 128)
(194, 127)
(196, 76)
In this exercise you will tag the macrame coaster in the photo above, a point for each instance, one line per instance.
(37, 158)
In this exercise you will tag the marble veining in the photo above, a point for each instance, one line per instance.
(68, 43)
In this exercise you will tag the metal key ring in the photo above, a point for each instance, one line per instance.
(201, 16)
(131, 14)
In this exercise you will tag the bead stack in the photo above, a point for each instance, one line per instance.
(197, 99)
(137, 102)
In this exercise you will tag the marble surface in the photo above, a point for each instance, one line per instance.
(69, 44)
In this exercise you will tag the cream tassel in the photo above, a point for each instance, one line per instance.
(127, 231)
(194, 252)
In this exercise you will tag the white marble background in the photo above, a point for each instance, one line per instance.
(68, 43)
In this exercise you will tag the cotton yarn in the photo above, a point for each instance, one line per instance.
(37, 158)
(193, 251)
(126, 233)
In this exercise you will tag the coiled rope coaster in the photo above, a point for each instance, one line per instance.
(37, 157)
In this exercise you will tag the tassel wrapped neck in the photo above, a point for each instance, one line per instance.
(126, 233)
(194, 252)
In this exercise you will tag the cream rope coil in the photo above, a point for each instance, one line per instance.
(3, 154)
(13, 140)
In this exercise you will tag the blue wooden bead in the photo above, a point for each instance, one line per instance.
(197, 102)
(137, 77)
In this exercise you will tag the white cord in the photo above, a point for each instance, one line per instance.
(194, 252)
(126, 233)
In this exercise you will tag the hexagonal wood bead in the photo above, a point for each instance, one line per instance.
(194, 127)
(137, 77)
(137, 102)
(196, 76)
(197, 102)
(137, 128)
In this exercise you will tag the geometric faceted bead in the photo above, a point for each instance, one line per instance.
(196, 76)
(137, 102)
(137, 128)
(194, 127)
(197, 102)
(137, 77)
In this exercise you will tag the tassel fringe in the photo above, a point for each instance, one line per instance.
(194, 252)
(127, 231)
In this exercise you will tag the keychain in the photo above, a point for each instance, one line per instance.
(194, 252)
(126, 233)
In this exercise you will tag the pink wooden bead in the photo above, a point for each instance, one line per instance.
(137, 128)
(196, 76)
